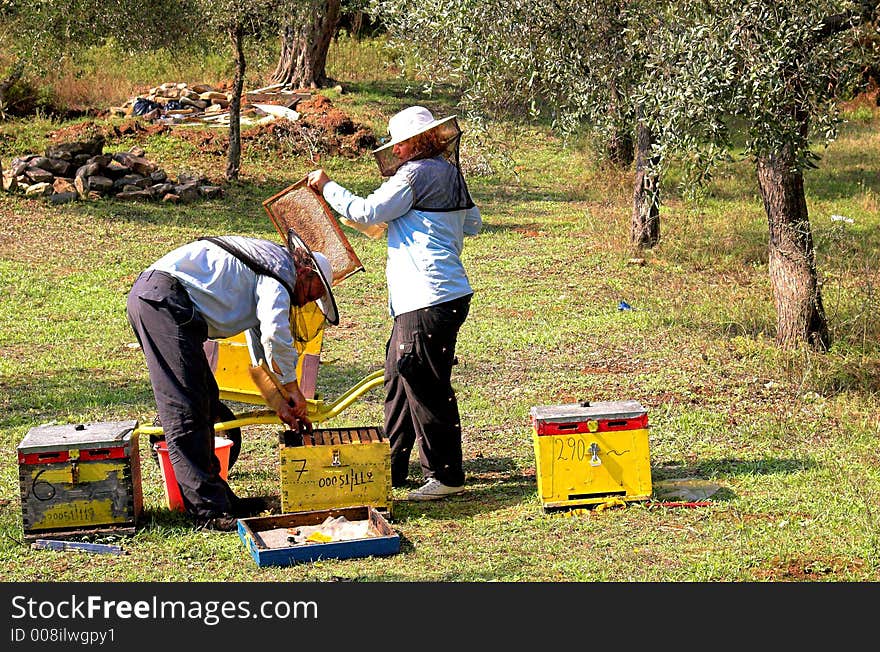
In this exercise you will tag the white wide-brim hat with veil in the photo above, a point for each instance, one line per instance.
(411, 122)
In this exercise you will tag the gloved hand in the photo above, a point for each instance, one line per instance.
(295, 413)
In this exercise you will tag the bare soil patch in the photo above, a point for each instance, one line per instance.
(322, 130)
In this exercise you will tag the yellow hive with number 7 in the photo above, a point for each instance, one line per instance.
(335, 467)
(591, 452)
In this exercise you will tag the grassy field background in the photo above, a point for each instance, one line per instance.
(790, 438)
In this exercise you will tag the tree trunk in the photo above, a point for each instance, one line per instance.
(233, 161)
(800, 316)
(645, 230)
(305, 42)
(620, 149)
(357, 24)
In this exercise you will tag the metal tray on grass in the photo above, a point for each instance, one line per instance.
(265, 537)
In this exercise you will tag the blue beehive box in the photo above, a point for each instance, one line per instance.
(266, 537)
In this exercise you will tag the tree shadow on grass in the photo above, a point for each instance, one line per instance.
(42, 396)
(406, 92)
(159, 519)
(491, 483)
(712, 468)
(696, 478)
(490, 193)
(239, 210)
(498, 483)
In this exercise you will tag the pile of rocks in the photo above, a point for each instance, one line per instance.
(81, 170)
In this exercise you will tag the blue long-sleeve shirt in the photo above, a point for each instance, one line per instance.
(423, 266)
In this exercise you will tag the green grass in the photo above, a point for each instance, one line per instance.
(789, 437)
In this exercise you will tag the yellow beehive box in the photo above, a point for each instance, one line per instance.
(590, 453)
(80, 478)
(335, 467)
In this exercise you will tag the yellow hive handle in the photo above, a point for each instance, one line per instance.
(319, 410)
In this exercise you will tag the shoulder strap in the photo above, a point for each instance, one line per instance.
(254, 265)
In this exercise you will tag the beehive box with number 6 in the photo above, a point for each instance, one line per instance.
(80, 478)
(335, 467)
(588, 453)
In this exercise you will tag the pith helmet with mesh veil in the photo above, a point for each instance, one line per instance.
(322, 267)
(430, 138)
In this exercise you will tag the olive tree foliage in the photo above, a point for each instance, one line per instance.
(576, 63)
(36, 34)
(777, 67)
(43, 30)
(565, 60)
(682, 72)
(238, 19)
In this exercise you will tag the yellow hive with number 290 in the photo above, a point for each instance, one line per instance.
(588, 453)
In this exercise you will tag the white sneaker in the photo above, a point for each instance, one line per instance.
(433, 489)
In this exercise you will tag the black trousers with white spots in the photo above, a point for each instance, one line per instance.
(420, 404)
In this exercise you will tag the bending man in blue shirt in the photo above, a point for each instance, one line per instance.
(428, 210)
(215, 288)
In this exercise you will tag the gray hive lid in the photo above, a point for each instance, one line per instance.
(77, 435)
(588, 410)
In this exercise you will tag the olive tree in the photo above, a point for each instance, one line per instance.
(576, 63)
(36, 34)
(237, 19)
(778, 68)
(680, 72)
(308, 28)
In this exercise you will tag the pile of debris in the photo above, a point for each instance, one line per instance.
(69, 171)
(322, 129)
(175, 103)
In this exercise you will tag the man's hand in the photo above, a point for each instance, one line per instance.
(317, 179)
(295, 413)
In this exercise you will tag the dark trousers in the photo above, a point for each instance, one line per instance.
(172, 333)
(420, 404)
